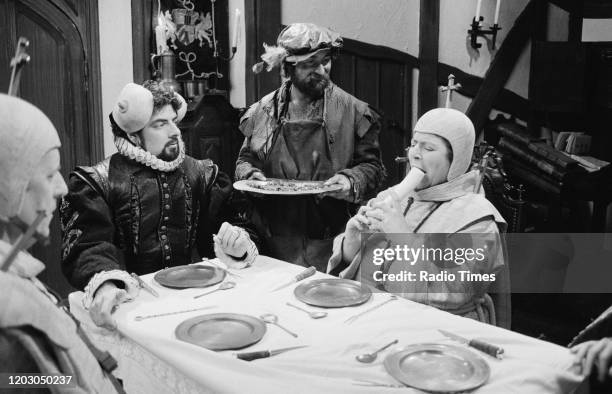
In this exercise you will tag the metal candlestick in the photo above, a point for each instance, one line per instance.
(476, 31)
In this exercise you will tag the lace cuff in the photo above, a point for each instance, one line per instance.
(131, 285)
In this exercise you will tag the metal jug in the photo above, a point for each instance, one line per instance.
(164, 69)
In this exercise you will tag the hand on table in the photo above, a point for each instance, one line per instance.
(596, 354)
(342, 194)
(107, 298)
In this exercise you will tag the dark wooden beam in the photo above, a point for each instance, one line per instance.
(590, 9)
(506, 101)
(575, 22)
(429, 32)
(378, 52)
(142, 26)
(538, 34)
(95, 86)
(501, 67)
(263, 23)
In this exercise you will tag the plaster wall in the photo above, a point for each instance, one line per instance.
(596, 30)
(115, 57)
(392, 23)
(455, 48)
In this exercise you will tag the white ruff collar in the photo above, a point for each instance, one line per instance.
(127, 149)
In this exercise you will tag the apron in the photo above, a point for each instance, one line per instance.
(301, 229)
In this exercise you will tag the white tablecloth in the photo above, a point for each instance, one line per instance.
(152, 359)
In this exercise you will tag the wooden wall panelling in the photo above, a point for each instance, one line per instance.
(62, 79)
(343, 72)
(367, 81)
(263, 24)
(392, 88)
(382, 77)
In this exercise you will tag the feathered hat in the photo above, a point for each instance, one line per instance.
(298, 42)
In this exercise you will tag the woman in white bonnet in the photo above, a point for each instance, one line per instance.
(445, 201)
(35, 334)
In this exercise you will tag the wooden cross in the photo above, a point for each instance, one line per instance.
(449, 89)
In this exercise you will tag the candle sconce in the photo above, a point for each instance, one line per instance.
(477, 31)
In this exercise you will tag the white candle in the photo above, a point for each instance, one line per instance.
(159, 38)
(160, 35)
(478, 4)
(236, 28)
(497, 5)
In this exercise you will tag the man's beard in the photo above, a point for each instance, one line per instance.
(171, 150)
(312, 86)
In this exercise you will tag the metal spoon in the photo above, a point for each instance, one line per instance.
(370, 357)
(140, 318)
(271, 318)
(222, 286)
(313, 315)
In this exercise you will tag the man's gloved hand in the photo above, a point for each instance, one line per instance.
(105, 301)
(231, 241)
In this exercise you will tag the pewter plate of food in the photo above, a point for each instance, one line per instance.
(287, 187)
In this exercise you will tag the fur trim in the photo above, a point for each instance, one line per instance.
(132, 287)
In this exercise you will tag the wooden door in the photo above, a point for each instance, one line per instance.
(382, 77)
(62, 79)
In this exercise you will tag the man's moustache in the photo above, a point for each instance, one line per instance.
(318, 78)
(172, 142)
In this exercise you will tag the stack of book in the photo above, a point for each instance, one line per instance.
(533, 160)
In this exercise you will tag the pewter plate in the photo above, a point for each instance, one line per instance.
(285, 187)
(221, 331)
(186, 276)
(438, 368)
(332, 293)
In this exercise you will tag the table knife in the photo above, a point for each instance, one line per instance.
(248, 356)
(484, 347)
(308, 272)
(145, 286)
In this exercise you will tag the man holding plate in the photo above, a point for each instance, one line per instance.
(310, 130)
